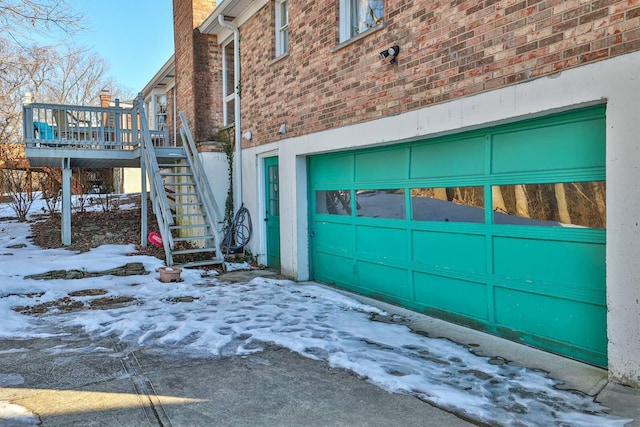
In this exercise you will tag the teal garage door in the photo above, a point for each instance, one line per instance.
(501, 229)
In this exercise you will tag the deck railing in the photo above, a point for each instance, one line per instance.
(72, 126)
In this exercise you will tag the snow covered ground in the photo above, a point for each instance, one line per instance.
(202, 313)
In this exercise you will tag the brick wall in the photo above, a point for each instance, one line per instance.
(170, 112)
(183, 42)
(197, 79)
(448, 50)
(207, 87)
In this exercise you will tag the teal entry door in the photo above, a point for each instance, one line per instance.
(272, 214)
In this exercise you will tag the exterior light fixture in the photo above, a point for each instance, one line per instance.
(392, 52)
(247, 135)
(283, 129)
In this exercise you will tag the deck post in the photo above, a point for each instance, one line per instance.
(118, 139)
(66, 201)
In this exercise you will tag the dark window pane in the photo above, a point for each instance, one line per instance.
(365, 15)
(334, 202)
(381, 203)
(231, 112)
(455, 204)
(274, 208)
(571, 204)
(229, 69)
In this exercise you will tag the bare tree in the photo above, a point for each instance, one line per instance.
(498, 200)
(102, 188)
(599, 190)
(440, 193)
(20, 68)
(20, 19)
(75, 76)
(14, 178)
(49, 184)
(16, 182)
(25, 66)
(563, 207)
(522, 203)
(60, 73)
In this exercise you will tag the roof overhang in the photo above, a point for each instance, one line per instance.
(236, 11)
(164, 79)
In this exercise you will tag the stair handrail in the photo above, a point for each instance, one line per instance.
(199, 175)
(160, 201)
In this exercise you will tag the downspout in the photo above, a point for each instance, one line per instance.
(175, 119)
(236, 83)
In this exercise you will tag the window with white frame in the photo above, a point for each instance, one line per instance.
(358, 16)
(228, 79)
(282, 27)
(161, 112)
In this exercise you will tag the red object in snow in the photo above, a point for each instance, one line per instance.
(155, 239)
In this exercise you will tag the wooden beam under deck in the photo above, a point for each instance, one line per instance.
(93, 158)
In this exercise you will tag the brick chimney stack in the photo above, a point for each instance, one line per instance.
(198, 62)
(105, 98)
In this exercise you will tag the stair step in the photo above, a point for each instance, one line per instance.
(185, 194)
(175, 155)
(189, 215)
(193, 251)
(179, 184)
(164, 174)
(201, 263)
(173, 165)
(173, 194)
(187, 227)
(172, 205)
(186, 239)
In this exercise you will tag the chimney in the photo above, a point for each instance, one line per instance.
(105, 98)
(197, 61)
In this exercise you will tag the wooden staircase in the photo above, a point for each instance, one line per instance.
(194, 233)
(187, 213)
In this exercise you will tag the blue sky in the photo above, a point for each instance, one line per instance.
(134, 36)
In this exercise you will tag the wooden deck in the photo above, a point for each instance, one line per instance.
(90, 137)
(67, 136)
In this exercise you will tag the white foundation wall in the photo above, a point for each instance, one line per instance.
(615, 82)
(216, 167)
(132, 180)
(254, 198)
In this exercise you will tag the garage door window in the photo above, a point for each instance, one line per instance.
(381, 203)
(456, 204)
(570, 204)
(333, 202)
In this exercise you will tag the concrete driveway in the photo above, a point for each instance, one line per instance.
(73, 379)
(63, 381)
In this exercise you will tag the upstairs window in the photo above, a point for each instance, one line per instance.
(161, 113)
(358, 16)
(282, 27)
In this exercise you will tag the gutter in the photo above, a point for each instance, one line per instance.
(236, 85)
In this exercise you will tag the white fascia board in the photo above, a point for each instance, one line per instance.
(240, 10)
(169, 68)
